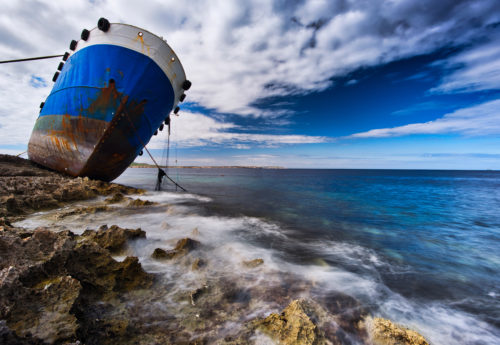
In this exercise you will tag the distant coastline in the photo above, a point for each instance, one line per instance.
(145, 165)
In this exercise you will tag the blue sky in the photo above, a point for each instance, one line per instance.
(308, 84)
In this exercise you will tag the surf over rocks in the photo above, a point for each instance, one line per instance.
(163, 274)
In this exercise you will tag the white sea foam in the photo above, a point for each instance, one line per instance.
(229, 241)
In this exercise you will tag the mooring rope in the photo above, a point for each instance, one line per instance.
(33, 58)
(161, 172)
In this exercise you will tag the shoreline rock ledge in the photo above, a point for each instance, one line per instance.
(26, 187)
(52, 283)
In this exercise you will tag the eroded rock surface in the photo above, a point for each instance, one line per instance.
(49, 282)
(140, 203)
(115, 198)
(294, 325)
(385, 332)
(113, 238)
(182, 247)
(25, 187)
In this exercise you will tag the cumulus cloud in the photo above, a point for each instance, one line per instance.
(482, 119)
(195, 129)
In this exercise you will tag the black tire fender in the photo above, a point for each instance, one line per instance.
(85, 34)
(72, 45)
(103, 24)
(186, 85)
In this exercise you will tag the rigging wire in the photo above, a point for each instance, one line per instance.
(161, 172)
(166, 150)
(32, 58)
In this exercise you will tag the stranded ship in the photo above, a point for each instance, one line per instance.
(112, 93)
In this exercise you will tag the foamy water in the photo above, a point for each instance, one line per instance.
(228, 241)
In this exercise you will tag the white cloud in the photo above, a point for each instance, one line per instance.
(234, 52)
(473, 70)
(482, 119)
(194, 129)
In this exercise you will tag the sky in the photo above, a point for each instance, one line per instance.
(384, 84)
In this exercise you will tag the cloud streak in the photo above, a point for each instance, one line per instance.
(476, 69)
(482, 119)
(195, 129)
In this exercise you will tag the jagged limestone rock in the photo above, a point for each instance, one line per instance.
(45, 312)
(140, 203)
(183, 247)
(117, 197)
(48, 280)
(294, 325)
(385, 332)
(253, 263)
(113, 238)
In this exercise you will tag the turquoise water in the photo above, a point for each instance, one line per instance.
(428, 242)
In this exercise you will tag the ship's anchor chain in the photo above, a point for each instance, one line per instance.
(161, 172)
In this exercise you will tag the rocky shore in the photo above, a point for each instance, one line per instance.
(60, 287)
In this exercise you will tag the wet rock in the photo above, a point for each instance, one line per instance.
(8, 336)
(287, 287)
(140, 203)
(295, 325)
(183, 247)
(186, 244)
(384, 332)
(130, 275)
(94, 267)
(198, 264)
(117, 197)
(346, 310)
(10, 203)
(83, 210)
(253, 263)
(194, 295)
(45, 312)
(159, 254)
(114, 238)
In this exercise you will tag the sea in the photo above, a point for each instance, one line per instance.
(419, 247)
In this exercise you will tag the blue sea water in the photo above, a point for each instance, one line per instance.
(428, 241)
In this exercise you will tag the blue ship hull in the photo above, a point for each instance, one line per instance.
(106, 104)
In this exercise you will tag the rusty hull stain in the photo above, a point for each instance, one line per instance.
(83, 146)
